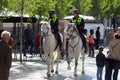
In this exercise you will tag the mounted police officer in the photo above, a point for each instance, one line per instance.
(80, 26)
(55, 26)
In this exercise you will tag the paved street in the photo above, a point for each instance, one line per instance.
(35, 69)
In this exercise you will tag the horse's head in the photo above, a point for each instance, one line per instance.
(45, 28)
(71, 31)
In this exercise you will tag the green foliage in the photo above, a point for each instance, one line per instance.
(63, 7)
(95, 10)
(3, 4)
(83, 6)
(41, 7)
(104, 8)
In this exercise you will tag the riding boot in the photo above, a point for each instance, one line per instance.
(84, 41)
(60, 43)
(58, 38)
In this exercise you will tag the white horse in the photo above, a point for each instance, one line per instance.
(75, 46)
(50, 47)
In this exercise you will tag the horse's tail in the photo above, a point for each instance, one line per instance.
(55, 54)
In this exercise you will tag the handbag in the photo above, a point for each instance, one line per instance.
(91, 41)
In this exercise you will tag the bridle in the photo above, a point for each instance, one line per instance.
(73, 37)
(46, 33)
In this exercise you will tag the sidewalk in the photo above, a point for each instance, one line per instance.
(36, 69)
(32, 76)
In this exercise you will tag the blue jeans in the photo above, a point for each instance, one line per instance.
(99, 73)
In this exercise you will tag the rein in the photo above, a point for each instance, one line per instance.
(73, 47)
(46, 34)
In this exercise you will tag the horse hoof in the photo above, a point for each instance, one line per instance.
(56, 72)
(83, 72)
(69, 68)
(75, 75)
(48, 74)
(52, 71)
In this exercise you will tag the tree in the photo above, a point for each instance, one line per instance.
(63, 7)
(95, 9)
(39, 7)
(105, 8)
(3, 4)
(83, 6)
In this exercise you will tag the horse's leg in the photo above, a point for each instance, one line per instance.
(56, 72)
(51, 62)
(83, 59)
(68, 61)
(76, 64)
(48, 65)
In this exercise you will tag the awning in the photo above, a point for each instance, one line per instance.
(17, 19)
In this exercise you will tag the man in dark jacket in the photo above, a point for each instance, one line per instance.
(5, 56)
(97, 37)
(29, 36)
(54, 23)
(80, 26)
(100, 62)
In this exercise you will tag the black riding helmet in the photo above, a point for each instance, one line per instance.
(52, 12)
(76, 11)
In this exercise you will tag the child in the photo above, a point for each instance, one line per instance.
(100, 62)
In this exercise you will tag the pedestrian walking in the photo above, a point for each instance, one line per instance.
(100, 63)
(91, 43)
(29, 39)
(113, 58)
(5, 55)
(97, 37)
(86, 37)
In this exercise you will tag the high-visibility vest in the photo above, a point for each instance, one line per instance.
(53, 19)
(76, 20)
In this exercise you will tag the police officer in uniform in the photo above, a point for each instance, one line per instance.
(80, 26)
(55, 26)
